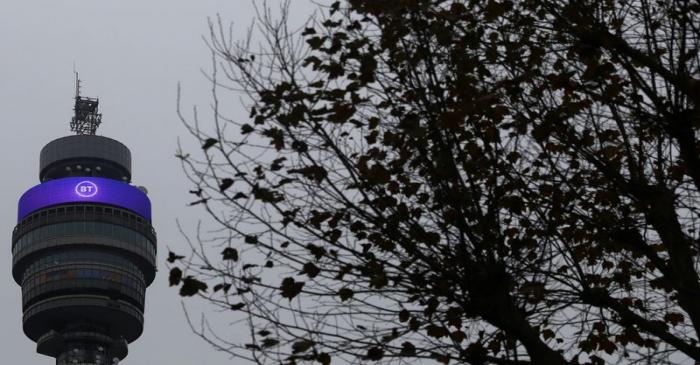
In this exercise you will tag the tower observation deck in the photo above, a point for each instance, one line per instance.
(84, 250)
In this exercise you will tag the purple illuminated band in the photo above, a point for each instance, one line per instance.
(84, 190)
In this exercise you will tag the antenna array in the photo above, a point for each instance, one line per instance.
(86, 118)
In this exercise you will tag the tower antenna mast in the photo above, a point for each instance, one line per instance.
(86, 116)
(77, 83)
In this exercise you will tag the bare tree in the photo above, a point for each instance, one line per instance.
(483, 182)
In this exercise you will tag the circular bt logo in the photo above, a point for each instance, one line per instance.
(86, 189)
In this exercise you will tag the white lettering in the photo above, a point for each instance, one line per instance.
(86, 189)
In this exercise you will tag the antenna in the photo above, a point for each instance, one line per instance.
(86, 118)
(77, 83)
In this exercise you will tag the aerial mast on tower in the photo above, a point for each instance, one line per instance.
(86, 117)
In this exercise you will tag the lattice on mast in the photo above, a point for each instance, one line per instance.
(86, 118)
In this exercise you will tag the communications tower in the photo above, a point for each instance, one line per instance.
(84, 249)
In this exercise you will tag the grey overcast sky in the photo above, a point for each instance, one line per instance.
(131, 54)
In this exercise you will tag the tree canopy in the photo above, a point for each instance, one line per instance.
(471, 182)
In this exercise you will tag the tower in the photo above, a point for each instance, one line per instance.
(84, 250)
